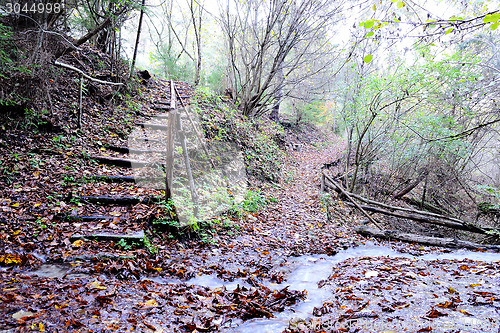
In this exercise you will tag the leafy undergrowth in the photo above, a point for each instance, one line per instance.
(259, 139)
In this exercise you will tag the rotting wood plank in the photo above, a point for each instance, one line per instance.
(153, 126)
(121, 201)
(87, 218)
(112, 179)
(424, 240)
(124, 163)
(127, 150)
(136, 236)
(145, 139)
(161, 108)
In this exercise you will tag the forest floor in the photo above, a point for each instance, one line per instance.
(191, 286)
(284, 267)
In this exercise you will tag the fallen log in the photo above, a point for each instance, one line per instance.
(424, 240)
(372, 220)
(426, 219)
(409, 210)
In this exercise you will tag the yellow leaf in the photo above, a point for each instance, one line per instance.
(37, 204)
(452, 291)
(36, 174)
(151, 302)
(16, 233)
(10, 259)
(472, 285)
(465, 313)
(77, 243)
(96, 285)
(15, 204)
(38, 327)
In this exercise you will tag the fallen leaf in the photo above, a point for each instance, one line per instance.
(22, 314)
(149, 303)
(78, 243)
(96, 285)
(10, 259)
(465, 313)
(435, 314)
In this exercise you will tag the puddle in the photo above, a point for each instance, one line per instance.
(53, 271)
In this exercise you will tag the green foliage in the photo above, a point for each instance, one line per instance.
(398, 120)
(214, 79)
(257, 138)
(254, 200)
(8, 52)
(153, 249)
(32, 119)
(171, 66)
(492, 192)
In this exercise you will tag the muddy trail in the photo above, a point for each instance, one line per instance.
(284, 269)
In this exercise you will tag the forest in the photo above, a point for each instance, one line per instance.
(249, 166)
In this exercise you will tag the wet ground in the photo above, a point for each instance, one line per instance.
(285, 269)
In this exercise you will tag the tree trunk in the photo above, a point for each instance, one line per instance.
(410, 187)
(85, 38)
(279, 95)
(132, 66)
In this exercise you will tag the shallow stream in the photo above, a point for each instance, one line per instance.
(305, 272)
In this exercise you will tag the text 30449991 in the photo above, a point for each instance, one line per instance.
(33, 7)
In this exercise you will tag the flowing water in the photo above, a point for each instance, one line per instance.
(305, 272)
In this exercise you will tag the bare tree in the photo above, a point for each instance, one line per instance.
(270, 40)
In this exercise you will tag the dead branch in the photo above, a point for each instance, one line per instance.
(425, 240)
(426, 219)
(372, 220)
(79, 71)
